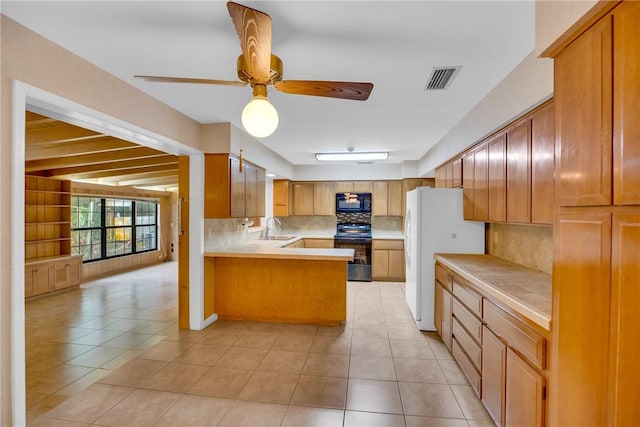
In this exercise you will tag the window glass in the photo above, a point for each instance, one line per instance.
(105, 227)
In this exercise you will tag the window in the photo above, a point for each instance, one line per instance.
(104, 228)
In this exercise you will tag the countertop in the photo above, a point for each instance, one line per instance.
(522, 289)
(274, 249)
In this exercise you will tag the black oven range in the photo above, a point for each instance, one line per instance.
(356, 236)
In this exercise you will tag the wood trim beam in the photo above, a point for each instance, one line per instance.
(90, 159)
(125, 179)
(75, 148)
(160, 180)
(165, 159)
(58, 132)
(119, 172)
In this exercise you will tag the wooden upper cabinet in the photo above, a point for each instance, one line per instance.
(448, 175)
(624, 393)
(497, 179)
(394, 199)
(324, 198)
(354, 187)
(303, 198)
(231, 193)
(542, 165)
(344, 186)
(626, 106)
(481, 184)
(441, 177)
(583, 98)
(519, 172)
(456, 166)
(379, 198)
(281, 197)
(362, 187)
(254, 190)
(237, 189)
(468, 163)
(580, 312)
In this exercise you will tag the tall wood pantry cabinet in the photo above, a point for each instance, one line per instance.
(596, 292)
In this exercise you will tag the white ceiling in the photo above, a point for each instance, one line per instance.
(392, 44)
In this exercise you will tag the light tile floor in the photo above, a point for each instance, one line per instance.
(110, 354)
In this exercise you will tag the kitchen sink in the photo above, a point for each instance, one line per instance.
(280, 238)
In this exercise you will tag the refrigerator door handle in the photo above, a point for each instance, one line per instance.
(407, 239)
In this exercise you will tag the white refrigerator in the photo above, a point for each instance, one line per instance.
(434, 224)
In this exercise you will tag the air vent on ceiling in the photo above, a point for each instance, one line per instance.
(441, 78)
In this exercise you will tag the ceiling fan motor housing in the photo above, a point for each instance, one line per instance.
(245, 76)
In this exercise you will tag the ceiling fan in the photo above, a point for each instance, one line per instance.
(259, 68)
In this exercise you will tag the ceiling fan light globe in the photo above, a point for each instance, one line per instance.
(259, 117)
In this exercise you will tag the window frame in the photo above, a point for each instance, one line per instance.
(133, 227)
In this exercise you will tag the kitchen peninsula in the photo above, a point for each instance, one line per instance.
(268, 281)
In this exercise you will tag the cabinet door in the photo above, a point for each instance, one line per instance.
(497, 179)
(448, 175)
(468, 163)
(542, 164)
(457, 173)
(237, 189)
(494, 357)
(394, 198)
(303, 199)
(217, 185)
(379, 198)
(281, 197)
(519, 173)
(344, 186)
(447, 318)
(261, 182)
(626, 108)
(583, 81)
(441, 177)
(524, 405)
(36, 279)
(624, 393)
(380, 264)
(396, 265)
(362, 187)
(324, 198)
(437, 308)
(581, 297)
(250, 190)
(481, 184)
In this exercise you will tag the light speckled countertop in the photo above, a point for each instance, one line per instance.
(522, 289)
(275, 249)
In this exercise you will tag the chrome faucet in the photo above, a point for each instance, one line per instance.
(276, 225)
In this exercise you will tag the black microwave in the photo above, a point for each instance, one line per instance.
(353, 202)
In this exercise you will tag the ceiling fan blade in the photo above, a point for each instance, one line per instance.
(342, 90)
(190, 80)
(254, 31)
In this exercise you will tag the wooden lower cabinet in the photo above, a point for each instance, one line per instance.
(494, 358)
(524, 389)
(50, 275)
(388, 260)
(503, 359)
(317, 243)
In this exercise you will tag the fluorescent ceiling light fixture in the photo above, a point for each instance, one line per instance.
(353, 156)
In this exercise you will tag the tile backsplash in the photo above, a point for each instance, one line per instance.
(321, 224)
(528, 245)
(222, 233)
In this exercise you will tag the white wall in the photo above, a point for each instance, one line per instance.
(553, 18)
(528, 85)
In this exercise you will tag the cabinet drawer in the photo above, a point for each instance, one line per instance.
(467, 343)
(472, 324)
(443, 277)
(318, 243)
(388, 244)
(468, 297)
(518, 336)
(473, 376)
